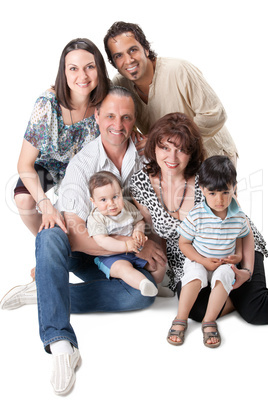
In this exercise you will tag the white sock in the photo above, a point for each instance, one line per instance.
(147, 288)
(61, 347)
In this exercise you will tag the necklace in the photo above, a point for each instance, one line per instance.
(75, 148)
(139, 90)
(143, 96)
(161, 196)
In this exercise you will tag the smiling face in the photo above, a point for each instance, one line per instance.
(129, 57)
(81, 72)
(171, 159)
(108, 199)
(115, 118)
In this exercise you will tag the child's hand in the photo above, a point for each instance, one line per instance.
(132, 246)
(212, 263)
(140, 237)
(232, 259)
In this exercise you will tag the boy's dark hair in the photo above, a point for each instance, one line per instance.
(101, 179)
(217, 173)
(121, 27)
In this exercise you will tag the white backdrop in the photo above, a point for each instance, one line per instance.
(125, 356)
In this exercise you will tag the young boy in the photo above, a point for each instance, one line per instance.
(114, 215)
(211, 239)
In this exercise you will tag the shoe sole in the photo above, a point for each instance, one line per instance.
(16, 303)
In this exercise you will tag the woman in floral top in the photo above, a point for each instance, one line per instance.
(61, 123)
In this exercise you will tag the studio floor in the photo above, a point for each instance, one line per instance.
(125, 357)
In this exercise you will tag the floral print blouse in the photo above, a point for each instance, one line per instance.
(55, 140)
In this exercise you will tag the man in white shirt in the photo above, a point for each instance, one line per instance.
(113, 150)
(164, 85)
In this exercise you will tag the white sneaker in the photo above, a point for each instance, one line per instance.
(63, 372)
(19, 296)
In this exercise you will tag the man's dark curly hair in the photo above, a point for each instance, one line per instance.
(120, 27)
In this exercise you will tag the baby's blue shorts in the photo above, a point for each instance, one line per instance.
(104, 263)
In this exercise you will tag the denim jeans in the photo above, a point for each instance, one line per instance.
(57, 299)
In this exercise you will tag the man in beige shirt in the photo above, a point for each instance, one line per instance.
(166, 85)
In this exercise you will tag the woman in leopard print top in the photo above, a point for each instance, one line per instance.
(165, 191)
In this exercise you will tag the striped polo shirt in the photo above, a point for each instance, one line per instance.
(210, 235)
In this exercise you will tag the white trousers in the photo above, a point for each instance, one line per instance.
(193, 270)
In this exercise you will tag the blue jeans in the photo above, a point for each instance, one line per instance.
(57, 299)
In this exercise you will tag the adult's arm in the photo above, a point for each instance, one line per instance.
(30, 178)
(154, 248)
(248, 260)
(209, 113)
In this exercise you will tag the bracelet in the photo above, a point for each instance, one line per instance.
(250, 273)
(37, 204)
(126, 247)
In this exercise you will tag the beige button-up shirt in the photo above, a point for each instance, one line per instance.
(178, 86)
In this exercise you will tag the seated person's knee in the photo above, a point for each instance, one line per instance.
(25, 202)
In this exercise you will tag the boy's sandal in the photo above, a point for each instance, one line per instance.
(178, 333)
(208, 335)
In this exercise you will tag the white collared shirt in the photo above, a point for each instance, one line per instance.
(74, 193)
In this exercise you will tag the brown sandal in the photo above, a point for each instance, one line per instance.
(208, 335)
(178, 333)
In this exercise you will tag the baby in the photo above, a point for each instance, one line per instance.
(113, 216)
